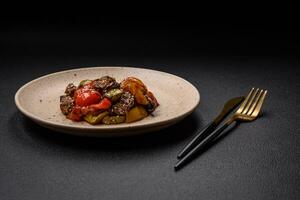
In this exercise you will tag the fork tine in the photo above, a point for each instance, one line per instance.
(250, 101)
(259, 104)
(255, 102)
(241, 108)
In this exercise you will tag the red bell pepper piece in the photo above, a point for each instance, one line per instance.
(104, 104)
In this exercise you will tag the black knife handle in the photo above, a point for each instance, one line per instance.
(200, 147)
(199, 137)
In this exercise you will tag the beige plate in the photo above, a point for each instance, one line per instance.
(39, 100)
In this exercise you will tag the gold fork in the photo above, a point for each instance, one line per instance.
(248, 111)
(250, 108)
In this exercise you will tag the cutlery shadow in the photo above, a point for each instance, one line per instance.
(165, 137)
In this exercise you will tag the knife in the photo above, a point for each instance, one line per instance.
(229, 106)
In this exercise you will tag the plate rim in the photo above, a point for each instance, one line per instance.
(108, 127)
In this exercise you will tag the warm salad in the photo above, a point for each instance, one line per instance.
(106, 101)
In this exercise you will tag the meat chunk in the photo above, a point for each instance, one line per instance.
(70, 89)
(123, 106)
(127, 99)
(105, 83)
(66, 104)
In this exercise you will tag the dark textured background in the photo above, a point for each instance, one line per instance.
(258, 160)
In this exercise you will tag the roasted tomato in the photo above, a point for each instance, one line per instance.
(86, 97)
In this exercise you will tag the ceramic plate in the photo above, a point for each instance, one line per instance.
(39, 100)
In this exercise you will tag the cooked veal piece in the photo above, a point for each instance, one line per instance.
(106, 101)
